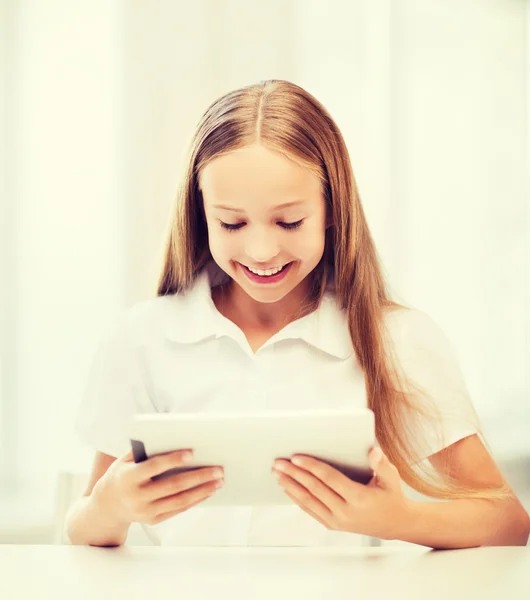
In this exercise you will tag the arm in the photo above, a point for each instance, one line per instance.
(86, 522)
(126, 493)
(467, 522)
(381, 508)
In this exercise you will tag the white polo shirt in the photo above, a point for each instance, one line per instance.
(177, 353)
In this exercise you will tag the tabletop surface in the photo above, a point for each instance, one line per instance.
(134, 572)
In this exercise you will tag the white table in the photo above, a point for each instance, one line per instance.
(147, 573)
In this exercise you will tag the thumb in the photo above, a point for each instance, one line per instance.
(384, 471)
(127, 457)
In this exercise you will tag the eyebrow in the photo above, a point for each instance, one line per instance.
(284, 205)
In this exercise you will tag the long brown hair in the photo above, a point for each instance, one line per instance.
(285, 118)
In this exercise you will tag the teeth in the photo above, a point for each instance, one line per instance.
(267, 272)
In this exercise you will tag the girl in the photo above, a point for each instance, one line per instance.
(272, 296)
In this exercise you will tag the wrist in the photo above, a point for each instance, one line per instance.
(88, 524)
(107, 513)
(406, 521)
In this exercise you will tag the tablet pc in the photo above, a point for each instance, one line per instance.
(247, 444)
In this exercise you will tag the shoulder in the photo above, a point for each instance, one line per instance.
(152, 319)
(421, 348)
(412, 325)
(398, 318)
(416, 338)
(181, 317)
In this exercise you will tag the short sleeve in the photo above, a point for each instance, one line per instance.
(116, 389)
(423, 354)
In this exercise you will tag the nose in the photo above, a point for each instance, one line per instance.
(261, 246)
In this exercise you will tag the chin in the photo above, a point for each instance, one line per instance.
(265, 297)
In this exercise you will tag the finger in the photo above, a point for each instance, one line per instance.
(332, 478)
(304, 496)
(126, 457)
(386, 474)
(168, 515)
(183, 500)
(157, 465)
(374, 457)
(308, 510)
(175, 484)
(320, 490)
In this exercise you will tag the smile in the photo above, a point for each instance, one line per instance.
(266, 272)
(266, 276)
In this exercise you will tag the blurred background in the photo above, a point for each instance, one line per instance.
(99, 99)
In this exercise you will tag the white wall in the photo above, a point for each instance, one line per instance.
(67, 207)
(342, 55)
(460, 158)
(432, 99)
(177, 60)
(5, 228)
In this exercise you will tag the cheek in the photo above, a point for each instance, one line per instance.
(311, 243)
(222, 245)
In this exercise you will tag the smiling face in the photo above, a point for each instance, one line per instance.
(264, 212)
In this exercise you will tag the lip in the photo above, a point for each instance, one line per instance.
(264, 268)
(266, 280)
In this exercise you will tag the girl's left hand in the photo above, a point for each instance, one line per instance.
(377, 509)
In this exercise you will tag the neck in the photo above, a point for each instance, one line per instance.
(235, 304)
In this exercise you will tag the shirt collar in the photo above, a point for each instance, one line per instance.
(195, 318)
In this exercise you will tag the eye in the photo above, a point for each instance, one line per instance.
(230, 226)
(236, 226)
(291, 226)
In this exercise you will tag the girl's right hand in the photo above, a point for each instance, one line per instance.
(127, 494)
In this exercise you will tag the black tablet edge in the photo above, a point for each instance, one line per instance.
(138, 449)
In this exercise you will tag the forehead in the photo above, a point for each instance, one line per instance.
(257, 173)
